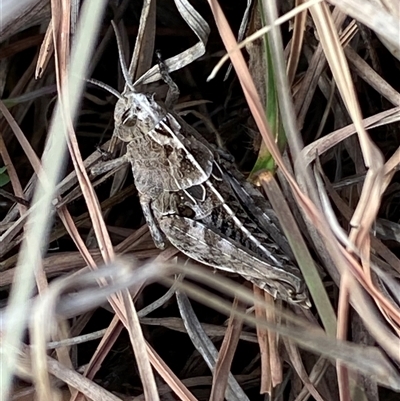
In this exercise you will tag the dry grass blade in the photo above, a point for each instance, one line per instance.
(87, 387)
(43, 327)
(144, 46)
(199, 27)
(367, 73)
(296, 44)
(343, 315)
(169, 377)
(110, 336)
(204, 345)
(73, 231)
(13, 178)
(225, 357)
(34, 160)
(271, 365)
(75, 380)
(306, 91)
(46, 51)
(210, 329)
(322, 145)
(139, 347)
(311, 380)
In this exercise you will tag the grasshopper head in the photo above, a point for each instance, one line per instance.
(136, 114)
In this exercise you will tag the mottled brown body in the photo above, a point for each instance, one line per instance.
(200, 203)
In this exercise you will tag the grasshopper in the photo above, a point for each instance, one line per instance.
(193, 197)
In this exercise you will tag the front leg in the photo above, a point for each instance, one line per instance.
(105, 166)
(155, 232)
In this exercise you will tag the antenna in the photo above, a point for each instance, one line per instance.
(105, 87)
(124, 68)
